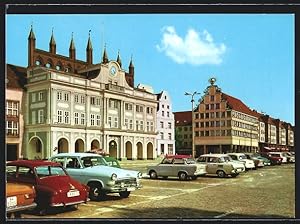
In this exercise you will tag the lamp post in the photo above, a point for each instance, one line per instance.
(193, 132)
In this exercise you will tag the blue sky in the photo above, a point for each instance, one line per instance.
(251, 55)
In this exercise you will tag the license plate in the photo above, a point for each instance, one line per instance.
(11, 201)
(130, 188)
(73, 194)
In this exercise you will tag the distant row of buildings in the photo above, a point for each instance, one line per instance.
(62, 104)
(223, 124)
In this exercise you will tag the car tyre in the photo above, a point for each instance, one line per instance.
(95, 191)
(182, 176)
(153, 174)
(124, 194)
(221, 173)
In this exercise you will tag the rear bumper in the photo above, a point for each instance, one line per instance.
(21, 208)
(68, 204)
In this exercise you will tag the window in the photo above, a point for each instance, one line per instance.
(169, 136)
(76, 98)
(128, 106)
(12, 128)
(169, 125)
(168, 114)
(116, 122)
(207, 106)
(162, 124)
(207, 124)
(152, 126)
(59, 116)
(139, 109)
(126, 123)
(98, 101)
(202, 115)
(66, 117)
(223, 114)
(212, 106)
(149, 110)
(206, 115)
(82, 119)
(163, 113)
(148, 126)
(197, 124)
(76, 117)
(92, 119)
(142, 125)
(93, 101)
(109, 121)
(12, 108)
(217, 114)
(33, 97)
(40, 116)
(212, 115)
(201, 124)
(48, 65)
(217, 106)
(58, 67)
(130, 124)
(136, 125)
(59, 95)
(163, 106)
(161, 135)
(41, 96)
(66, 96)
(228, 113)
(212, 98)
(98, 120)
(82, 99)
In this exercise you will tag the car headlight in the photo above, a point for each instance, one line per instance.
(139, 175)
(114, 176)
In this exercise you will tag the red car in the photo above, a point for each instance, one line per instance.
(275, 160)
(54, 187)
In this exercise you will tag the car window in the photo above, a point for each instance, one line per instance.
(59, 160)
(242, 157)
(178, 161)
(201, 159)
(167, 161)
(190, 161)
(227, 158)
(233, 157)
(25, 174)
(46, 171)
(11, 172)
(93, 161)
(221, 160)
(212, 160)
(72, 163)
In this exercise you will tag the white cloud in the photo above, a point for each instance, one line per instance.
(195, 48)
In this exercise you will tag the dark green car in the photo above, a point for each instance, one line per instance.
(267, 162)
(112, 161)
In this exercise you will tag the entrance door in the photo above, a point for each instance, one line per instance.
(12, 152)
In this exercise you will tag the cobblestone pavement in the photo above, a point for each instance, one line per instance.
(268, 192)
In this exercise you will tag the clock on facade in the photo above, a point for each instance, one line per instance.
(112, 70)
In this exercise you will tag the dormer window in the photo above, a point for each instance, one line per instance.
(58, 67)
(48, 65)
(37, 62)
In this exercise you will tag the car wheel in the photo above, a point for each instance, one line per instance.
(182, 176)
(221, 173)
(153, 174)
(95, 191)
(194, 177)
(124, 194)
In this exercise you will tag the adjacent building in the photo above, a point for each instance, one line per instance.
(183, 132)
(224, 124)
(75, 106)
(14, 110)
(165, 125)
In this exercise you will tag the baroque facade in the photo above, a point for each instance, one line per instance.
(76, 106)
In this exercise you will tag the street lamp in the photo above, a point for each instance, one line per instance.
(193, 132)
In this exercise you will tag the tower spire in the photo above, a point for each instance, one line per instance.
(52, 44)
(104, 58)
(119, 59)
(72, 49)
(89, 50)
(31, 47)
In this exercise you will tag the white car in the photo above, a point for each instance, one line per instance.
(249, 164)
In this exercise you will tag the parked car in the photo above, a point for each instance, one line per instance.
(221, 165)
(266, 161)
(290, 157)
(281, 155)
(19, 197)
(249, 164)
(54, 187)
(181, 166)
(92, 170)
(275, 160)
(257, 162)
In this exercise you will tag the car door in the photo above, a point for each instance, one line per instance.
(212, 165)
(74, 169)
(165, 167)
(179, 165)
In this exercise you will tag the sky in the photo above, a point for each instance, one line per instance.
(252, 56)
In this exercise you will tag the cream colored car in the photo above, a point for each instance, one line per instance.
(221, 165)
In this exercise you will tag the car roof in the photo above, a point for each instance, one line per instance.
(214, 155)
(178, 156)
(235, 153)
(76, 154)
(32, 163)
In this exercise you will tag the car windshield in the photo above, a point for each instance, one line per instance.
(190, 161)
(93, 161)
(242, 157)
(46, 171)
(226, 158)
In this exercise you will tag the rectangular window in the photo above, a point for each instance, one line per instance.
(212, 106)
(59, 96)
(207, 106)
(92, 119)
(169, 125)
(151, 126)
(41, 96)
(76, 118)
(40, 116)
(217, 106)
(128, 106)
(76, 98)
(126, 123)
(66, 117)
(206, 115)
(12, 108)
(148, 126)
(139, 109)
(12, 128)
(169, 136)
(142, 125)
(162, 124)
(212, 98)
(66, 96)
(98, 101)
(116, 122)
(109, 121)
(33, 97)
(202, 115)
(82, 99)
(59, 116)
(168, 114)
(93, 100)
(136, 125)
(130, 124)
(82, 119)
(161, 135)
(212, 115)
(98, 120)
(163, 113)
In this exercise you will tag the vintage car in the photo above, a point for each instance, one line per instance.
(181, 166)
(266, 161)
(19, 197)
(257, 162)
(281, 155)
(249, 164)
(290, 157)
(221, 165)
(92, 170)
(275, 160)
(54, 187)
